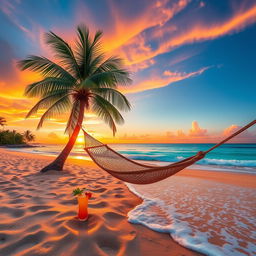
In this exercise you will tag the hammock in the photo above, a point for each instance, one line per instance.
(133, 172)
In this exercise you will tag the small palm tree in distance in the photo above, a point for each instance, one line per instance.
(28, 136)
(2, 121)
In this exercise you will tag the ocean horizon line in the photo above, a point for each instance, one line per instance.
(148, 143)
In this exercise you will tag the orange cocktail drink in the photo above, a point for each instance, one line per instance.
(82, 207)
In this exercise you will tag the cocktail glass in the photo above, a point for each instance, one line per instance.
(82, 207)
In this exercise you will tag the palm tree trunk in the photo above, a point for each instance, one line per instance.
(58, 163)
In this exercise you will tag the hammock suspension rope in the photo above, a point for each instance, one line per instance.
(134, 172)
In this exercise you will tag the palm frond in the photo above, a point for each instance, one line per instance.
(87, 50)
(114, 97)
(45, 67)
(111, 79)
(96, 62)
(64, 53)
(83, 46)
(47, 86)
(57, 108)
(87, 84)
(96, 55)
(107, 112)
(47, 102)
(115, 65)
(110, 63)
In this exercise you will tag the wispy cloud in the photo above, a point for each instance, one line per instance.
(14, 14)
(153, 14)
(139, 49)
(162, 80)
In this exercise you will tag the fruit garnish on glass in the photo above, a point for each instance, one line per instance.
(82, 198)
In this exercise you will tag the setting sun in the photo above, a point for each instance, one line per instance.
(80, 140)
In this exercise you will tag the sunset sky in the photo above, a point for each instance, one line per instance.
(193, 65)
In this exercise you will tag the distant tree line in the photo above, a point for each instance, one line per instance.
(8, 137)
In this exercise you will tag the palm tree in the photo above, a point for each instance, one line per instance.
(2, 121)
(81, 80)
(28, 136)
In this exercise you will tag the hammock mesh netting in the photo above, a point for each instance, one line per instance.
(133, 172)
(128, 170)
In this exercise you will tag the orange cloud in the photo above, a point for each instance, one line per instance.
(157, 81)
(13, 108)
(141, 137)
(196, 131)
(246, 136)
(201, 32)
(138, 50)
(53, 135)
(123, 30)
(231, 129)
(180, 134)
(126, 28)
(194, 135)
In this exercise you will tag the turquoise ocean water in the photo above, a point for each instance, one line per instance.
(228, 156)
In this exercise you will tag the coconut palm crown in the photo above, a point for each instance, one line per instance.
(28, 136)
(81, 79)
(2, 121)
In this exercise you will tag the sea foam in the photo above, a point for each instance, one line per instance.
(205, 216)
(225, 162)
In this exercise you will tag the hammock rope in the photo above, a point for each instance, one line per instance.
(133, 172)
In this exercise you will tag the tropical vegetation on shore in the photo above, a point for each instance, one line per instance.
(13, 137)
(8, 137)
(82, 79)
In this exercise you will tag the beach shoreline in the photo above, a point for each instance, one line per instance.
(38, 212)
(17, 146)
(38, 215)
